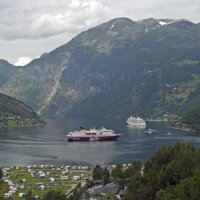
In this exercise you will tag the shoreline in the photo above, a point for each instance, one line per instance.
(21, 126)
(185, 129)
(15, 125)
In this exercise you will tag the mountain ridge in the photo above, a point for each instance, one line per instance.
(136, 64)
(6, 71)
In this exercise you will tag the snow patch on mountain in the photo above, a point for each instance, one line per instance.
(163, 23)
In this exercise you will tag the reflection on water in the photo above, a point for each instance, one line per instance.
(36, 145)
(135, 129)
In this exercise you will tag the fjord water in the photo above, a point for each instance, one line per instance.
(37, 145)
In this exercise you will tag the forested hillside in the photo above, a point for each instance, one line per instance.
(192, 118)
(10, 106)
(148, 68)
(172, 173)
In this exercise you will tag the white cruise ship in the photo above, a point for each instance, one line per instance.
(136, 121)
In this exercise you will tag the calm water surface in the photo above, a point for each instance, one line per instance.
(36, 145)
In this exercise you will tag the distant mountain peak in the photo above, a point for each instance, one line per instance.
(154, 24)
(43, 55)
(4, 64)
(2, 61)
(121, 19)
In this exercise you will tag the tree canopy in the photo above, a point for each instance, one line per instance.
(1, 174)
(166, 174)
(52, 195)
(192, 118)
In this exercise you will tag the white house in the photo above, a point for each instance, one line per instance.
(43, 175)
(85, 167)
(7, 195)
(64, 177)
(42, 187)
(79, 167)
(21, 187)
(75, 178)
(21, 195)
(67, 167)
(52, 179)
(65, 172)
(23, 180)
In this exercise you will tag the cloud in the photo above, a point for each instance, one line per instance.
(76, 16)
(75, 4)
(30, 28)
(22, 61)
(37, 19)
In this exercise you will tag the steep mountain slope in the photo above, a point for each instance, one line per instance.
(149, 67)
(11, 106)
(6, 71)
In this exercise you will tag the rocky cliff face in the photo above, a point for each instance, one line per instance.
(149, 67)
(6, 71)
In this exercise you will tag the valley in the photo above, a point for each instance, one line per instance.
(148, 68)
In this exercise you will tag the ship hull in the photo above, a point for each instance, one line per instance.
(103, 138)
(135, 124)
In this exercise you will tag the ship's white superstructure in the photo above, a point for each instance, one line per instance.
(92, 135)
(137, 121)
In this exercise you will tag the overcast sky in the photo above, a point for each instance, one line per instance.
(29, 28)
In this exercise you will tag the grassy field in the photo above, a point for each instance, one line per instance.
(33, 181)
(19, 123)
(3, 189)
